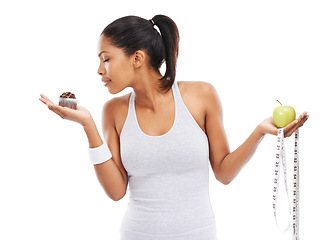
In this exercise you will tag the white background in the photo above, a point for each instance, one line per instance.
(253, 52)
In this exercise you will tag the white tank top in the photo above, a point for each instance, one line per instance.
(168, 179)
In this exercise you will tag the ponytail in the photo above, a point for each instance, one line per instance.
(170, 36)
(133, 33)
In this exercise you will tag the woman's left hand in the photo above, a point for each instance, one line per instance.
(268, 125)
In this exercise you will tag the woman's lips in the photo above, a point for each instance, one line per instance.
(106, 81)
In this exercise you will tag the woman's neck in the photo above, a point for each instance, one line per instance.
(147, 91)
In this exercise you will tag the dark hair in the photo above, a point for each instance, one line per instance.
(132, 33)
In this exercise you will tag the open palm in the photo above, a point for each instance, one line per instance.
(80, 115)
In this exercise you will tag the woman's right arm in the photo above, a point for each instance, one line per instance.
(111, 174)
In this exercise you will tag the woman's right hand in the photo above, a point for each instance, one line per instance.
(80, 115)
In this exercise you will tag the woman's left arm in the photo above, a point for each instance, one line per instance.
(225, 164)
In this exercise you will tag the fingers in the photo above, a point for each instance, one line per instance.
(48, 103)
(292, 127)
(303, 118)
(59, 110)
(45, 99)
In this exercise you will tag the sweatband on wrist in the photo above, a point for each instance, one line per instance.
(99, 154)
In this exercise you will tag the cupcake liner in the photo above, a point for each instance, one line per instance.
(68, 102)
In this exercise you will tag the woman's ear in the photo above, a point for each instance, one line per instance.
(138, 58)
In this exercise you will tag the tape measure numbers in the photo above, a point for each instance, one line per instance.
(280, 160)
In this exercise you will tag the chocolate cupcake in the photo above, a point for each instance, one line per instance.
(68, 99)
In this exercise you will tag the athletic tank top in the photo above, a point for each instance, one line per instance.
(168, 179)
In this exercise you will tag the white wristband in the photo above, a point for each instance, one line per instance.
(99, 154)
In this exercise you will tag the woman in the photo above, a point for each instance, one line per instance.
(162, 136)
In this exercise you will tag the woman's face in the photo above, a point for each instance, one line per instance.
(115, 67)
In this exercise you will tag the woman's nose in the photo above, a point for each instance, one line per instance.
(101, 71)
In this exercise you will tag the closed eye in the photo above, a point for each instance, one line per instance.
(106, 60)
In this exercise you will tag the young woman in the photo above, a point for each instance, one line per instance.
(162, 136)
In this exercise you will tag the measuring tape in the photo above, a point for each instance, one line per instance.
(280, 155)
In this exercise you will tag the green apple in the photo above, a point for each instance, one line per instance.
(283, 115)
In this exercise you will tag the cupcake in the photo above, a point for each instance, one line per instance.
(68, 99)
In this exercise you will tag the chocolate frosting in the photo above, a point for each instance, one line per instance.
(68, 95)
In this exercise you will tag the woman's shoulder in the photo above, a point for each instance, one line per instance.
(196, 88)
(115, 111)
(199, 97)
(201, 94)
(117, 102)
